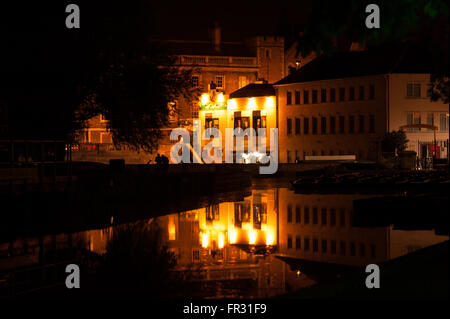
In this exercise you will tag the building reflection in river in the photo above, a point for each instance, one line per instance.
(263, 245)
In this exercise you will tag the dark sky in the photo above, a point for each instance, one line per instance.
(177, 19)
(191, 19)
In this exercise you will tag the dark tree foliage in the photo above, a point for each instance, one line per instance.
(136, 262)
(394, 141)
(53, 78)
(334, 25)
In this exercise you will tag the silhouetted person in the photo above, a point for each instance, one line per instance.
(158, 160)
(165, 162)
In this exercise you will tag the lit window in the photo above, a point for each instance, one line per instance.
(220, 82)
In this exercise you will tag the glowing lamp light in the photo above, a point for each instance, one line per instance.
(269, 101)
(205, 240)
(298, 273)
(269, 238)
(232, 104)
(233, 236)
(252, 103)
(220, 98)
(252, 237)
(204, 99)
(221, 242)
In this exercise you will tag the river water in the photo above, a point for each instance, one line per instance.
(269, 242)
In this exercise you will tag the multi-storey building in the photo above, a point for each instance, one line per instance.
(218, 66)
(343, 104)
(252, 106)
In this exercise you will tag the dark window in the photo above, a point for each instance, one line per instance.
(342, 217)
(324, 216)
(361, 92)
(341, 94)
(323, 125)
(305, 125)
(289, 214)
(323, 95)
(305, 97)
(332, 125)
(342, 247)
(352, 249)
(314, 96)
(289, 242)
(289, 126)
(315, 245)
(332, 95)
(361, 124)
(297, 97)
(288, 97)
(333, 247)
(362, 250)
(333, 217)
(297, 126)
(241, 122)
(297, 214)
(371, 123)
(341, 124)
(351, 124)
(351, 95)
(298, 244)
(324, 245)
(306, 215)
(211, 123)
(306, 244)
(315, 215)
(371, 92)
(314, 125)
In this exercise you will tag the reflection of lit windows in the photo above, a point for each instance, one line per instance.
(212, 213)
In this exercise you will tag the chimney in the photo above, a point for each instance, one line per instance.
(216, 35)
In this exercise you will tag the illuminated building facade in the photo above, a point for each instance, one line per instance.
(252, 106)
(218, 66)
(344, 104)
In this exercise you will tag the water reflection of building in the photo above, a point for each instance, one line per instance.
(227, 241)
(237, 244)
(319, 228)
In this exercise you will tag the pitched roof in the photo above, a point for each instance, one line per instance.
(386, 59)
(254, 89)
